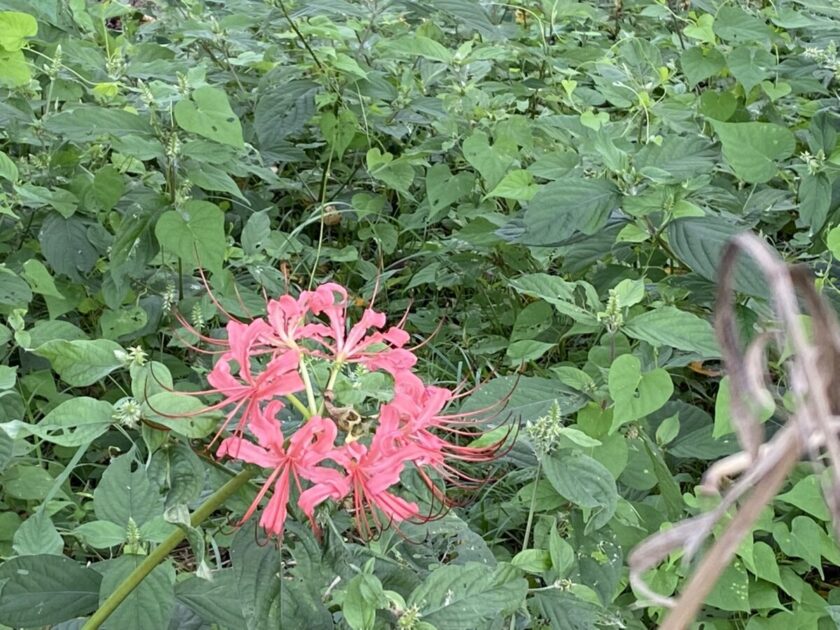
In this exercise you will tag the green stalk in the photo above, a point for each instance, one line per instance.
(160, 552)
(528, 524)
(330, 382)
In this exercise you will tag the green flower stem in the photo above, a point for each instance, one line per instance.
(529, 523)
(160, 552)
(299, 406)
(330, 383)
(310, 393)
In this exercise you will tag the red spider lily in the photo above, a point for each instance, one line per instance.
(357, 344)
(371, 471)
(311, 444)
(260, 362)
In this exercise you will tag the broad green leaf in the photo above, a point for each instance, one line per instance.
(492, 162)
(561, 294)
(807, 495)
(108, 187)
(88, 122)
(517, 184)
(258, 572)
(527, 397)
(700, 63)
(180, 471)
(75, 422)
(753, 149)
(526, 350)
(115, 324)
(195, 233)
(443, 189)
(13, 290)
(734, 23)
(467, 596)
(417, 45)
(46, 590)
(567, 611)
(669, 326)
(702, 29)
(750, 65)
(362, 597)
(731, 591)
(216, 601)
(699, 243)
(149, 605)
(8, 169)
(208, 114)
(14, 69)
(635, 394)
(124, 495)
(182, 413)
(37, 535)
(66, 246)
(15, 28)
(532, 560)
(585, 482)
(561, 552)
(39, 278)
(814, 200)
(8, 376)
(396, 173)
(100, 534)
(567, 206)
(284, 110)
(723, 410)
(81, 363)
(339, 131)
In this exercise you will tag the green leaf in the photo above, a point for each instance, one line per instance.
(195, 233)
(561, 552)
(339, 131)
(532, 560)
(39, 278)
(13, 290)
(88, 122)
(216, 601)
(443, 189)
(14, 69)
(753, 149)
(456, 597)
(492, 162)
(419, 46)
(81, 363)
(123, 494)
(100, 534)
(149, 605)
(45, 590)
(115, 324)
(731, 591)
(38, 535)
(565, 207)
(750, 65)
(65, 244)
(698, 64)
(669, 326)
(8, 169)
(108, 187)
(283, 110)
(702, 29)
(517, 184)
(15, 28)
(527, 397)
(180, 413)
(75, 422)
(208, 114)
(814, 200)
(699, 243)
(258, 570)
(565, 611)
(561, 294)
(362, 597)
(526, 350)
(397, 174)
(585, 482)
(807, 495)
(636, 395)
(723, 410)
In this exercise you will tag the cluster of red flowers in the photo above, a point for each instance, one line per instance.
(263, 366)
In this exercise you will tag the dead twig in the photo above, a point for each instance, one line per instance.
(812, 372)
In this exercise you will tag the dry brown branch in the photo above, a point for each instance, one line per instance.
(812, 376)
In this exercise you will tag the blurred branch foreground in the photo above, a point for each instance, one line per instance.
(812, 372)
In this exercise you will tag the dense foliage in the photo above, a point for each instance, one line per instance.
(547, 184)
